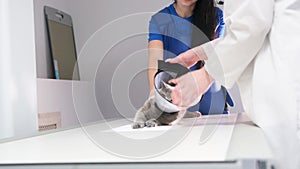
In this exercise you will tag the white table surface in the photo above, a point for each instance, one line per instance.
(239, 140)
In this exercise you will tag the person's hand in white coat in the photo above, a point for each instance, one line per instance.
(187, 91)
(190, 87)
(190, 57)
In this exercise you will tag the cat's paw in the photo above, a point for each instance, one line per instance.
(194, 114)
(137, 125)
(151, 123)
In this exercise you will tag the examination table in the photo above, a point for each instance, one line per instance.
(232, 142)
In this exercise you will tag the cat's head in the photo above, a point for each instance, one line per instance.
(166, 91)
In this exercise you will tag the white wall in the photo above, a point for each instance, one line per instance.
(88, 17)
(18, 115)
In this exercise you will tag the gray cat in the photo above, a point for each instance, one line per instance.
(149, 115)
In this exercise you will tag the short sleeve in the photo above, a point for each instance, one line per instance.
(221, 24)
(154, 32)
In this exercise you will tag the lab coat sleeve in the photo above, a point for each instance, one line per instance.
(247, 25)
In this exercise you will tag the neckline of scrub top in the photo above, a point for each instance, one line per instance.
(173, 10)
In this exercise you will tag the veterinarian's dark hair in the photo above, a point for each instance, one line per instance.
(205, 18)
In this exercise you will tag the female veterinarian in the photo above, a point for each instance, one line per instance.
(177, 28)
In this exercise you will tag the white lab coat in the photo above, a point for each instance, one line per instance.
(260, 51)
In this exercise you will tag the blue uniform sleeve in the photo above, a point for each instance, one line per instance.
(154, 33)
(221, 24)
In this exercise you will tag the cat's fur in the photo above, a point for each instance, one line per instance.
(149, 115)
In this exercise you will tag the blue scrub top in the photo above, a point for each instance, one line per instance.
(175, 33)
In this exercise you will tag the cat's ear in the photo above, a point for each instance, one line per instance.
(163, 85)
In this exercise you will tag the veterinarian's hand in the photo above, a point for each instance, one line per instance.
(190, 87)
(190, 57)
